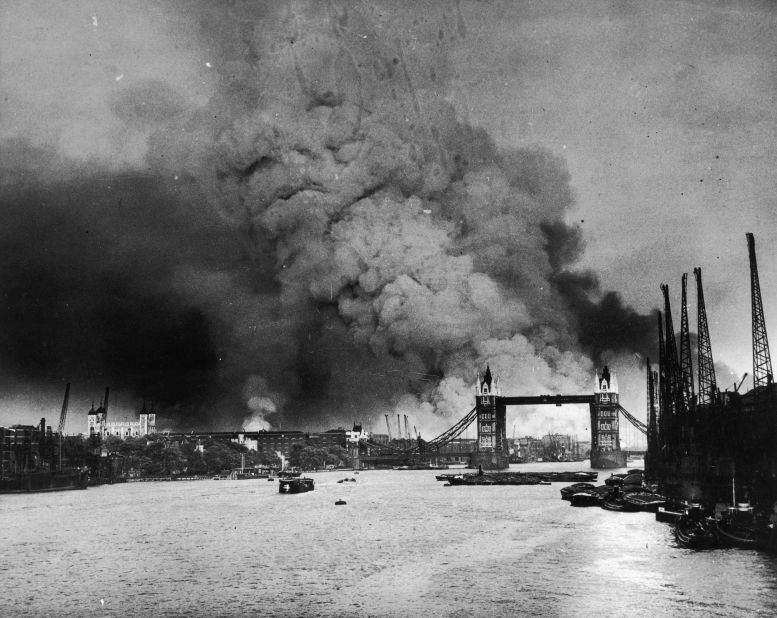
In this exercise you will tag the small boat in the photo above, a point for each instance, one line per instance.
(737, 527)
(586, 498)
(635, 478)
(614, 480)
(615, 502)
(340, 502)
(295, 485)
(568, 491)
(695, 531)
(667, 515)
(645, 500)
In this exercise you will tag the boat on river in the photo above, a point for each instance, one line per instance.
(694, 530)
(570, 490)
(737, 527)
(644, 500)
(41, 481)
(586, 498)
(615, 502)
(295, 485)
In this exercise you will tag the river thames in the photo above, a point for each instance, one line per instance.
(403, 545)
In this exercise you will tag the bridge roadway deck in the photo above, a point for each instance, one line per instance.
(557, 400)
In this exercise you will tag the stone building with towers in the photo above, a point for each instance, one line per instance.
(492, 451)
(605, 438)
(98, 423)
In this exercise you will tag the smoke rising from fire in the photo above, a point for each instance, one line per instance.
(341, 243)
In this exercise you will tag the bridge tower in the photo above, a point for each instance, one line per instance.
(605, 437)
(492, 452)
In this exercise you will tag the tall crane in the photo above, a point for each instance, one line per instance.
(762, 362)
(686, 364)
(62, 418)
(673, 400)
(672, 362)
(388, 427)
(662, 385)
(708, 387)
(63, 414)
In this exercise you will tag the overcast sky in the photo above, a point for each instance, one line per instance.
(316, 213)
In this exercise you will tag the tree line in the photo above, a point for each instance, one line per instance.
(156, 455)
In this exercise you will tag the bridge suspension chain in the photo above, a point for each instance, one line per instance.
(454, 432)
(641, 427)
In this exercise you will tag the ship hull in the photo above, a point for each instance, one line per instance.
(295, 485)
(34, 482)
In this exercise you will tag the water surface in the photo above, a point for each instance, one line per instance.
(404, 545)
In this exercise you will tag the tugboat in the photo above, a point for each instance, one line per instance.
(694, 531)
(297, 485)
(737, 528)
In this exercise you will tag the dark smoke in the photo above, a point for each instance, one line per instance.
(339, 243)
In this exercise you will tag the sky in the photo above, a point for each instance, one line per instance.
(305, 214)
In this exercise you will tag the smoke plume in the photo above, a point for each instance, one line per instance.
(337, 244)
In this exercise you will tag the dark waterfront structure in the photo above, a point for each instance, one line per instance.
(718, 447)
(25, 448)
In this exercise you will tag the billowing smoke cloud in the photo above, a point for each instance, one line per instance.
(337, 244)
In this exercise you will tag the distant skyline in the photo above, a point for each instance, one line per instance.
(314, 213)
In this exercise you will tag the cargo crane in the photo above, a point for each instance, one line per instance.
(388, 427)
(62, 418)
(762, 362)
(63, 414)
(652, 424)
(686, 364)
(673, 400)
(708, 388)
(662, 382)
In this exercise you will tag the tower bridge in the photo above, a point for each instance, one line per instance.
(490, 416)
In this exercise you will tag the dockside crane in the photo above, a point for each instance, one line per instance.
(762, 362)
(388, 427)
(63, 414)
(662, 385)
(686, 364)
(62, 418)
(652, 421)
(670, 354)
(674, 400)
(708, 388)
